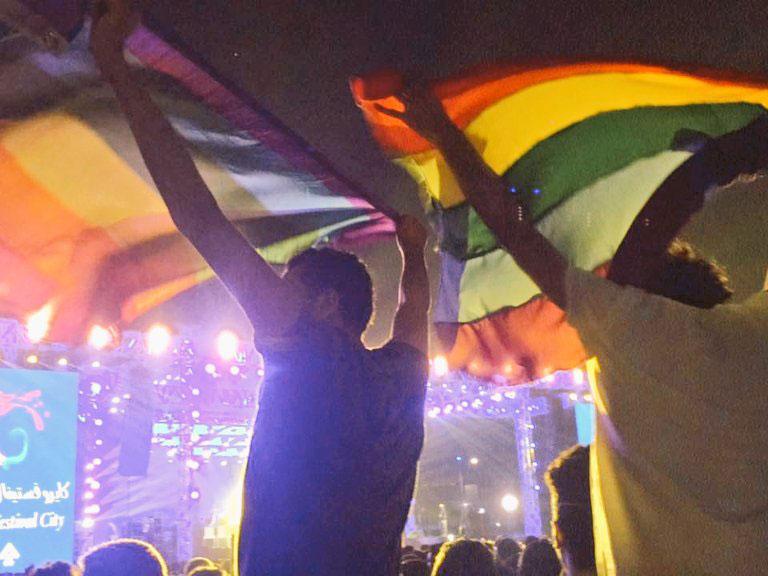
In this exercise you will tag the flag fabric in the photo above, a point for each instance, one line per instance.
(83, 232)
(583, 146)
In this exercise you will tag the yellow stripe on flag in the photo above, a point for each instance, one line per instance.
(73, 164)
(506, 130)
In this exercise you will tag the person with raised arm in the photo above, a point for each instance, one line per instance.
(680, 461)
(339, 428)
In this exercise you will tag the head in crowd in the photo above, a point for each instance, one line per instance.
(568, 482)
(124, 557)
(464, 558)
(197, 562)
(336, 287)
(507, 554)
(56, 569)
(688, 277)
(414, 567)
(539, 559)
(207, 571)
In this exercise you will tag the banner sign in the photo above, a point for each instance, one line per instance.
(38, 443)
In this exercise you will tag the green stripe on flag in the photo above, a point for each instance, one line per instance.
(575, 158)
(587, 228)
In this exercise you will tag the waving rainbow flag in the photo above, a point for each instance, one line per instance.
(583, 146)
(84, 235)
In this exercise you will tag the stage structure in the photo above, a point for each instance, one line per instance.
(163, 428)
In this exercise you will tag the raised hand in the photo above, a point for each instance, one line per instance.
(113, 22)
(422, 111)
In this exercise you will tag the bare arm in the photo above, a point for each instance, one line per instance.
(488, 194)
(266, 300)
(411, 321)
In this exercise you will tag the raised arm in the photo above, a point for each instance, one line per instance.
(269, 304)
(487, 193)
(411, 321)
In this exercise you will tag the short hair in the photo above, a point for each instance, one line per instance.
(464, 558)
(56, 569)
(346, 275)
(197, 562)
(507, 548)
(124, 557)
(207, 571)
(539, 559)
(689, 277)
(568, 480)
(414, 567)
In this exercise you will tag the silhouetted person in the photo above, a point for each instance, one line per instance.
(464, 558)
(339, 429)
(507, 556)
(123, 557)
(198, 562)
(568, 481)
(539, 559)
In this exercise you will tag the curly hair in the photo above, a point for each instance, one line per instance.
(464, 558)
(689, 277)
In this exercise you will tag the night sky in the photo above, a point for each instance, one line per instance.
(295, 59)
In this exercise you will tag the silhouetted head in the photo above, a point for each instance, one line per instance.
(539, 559)
(464, 558)
(56, 569)
(197, 562)
(335, 286)
(124, 557)
(688, 277)
(568, 482)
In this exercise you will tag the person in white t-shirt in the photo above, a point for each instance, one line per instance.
(679, 468)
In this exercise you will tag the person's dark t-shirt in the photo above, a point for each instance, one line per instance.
(333, 457)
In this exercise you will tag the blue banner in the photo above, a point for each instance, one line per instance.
(38, 445)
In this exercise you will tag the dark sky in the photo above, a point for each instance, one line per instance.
(295, 59)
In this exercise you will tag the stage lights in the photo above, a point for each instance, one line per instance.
(158, 339)
(227, 345)
(38, 323)
(510, 503)
(100, 338)
(440, 366)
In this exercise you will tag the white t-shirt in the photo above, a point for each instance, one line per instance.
(680, 463)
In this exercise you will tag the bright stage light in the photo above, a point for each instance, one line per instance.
(440, 366)
(32, 359)
(100, 337)
(88, 522)
(510, 503)
(474, 461)
(227, 345)
(63, 362)
(38, 323)
(158, 339)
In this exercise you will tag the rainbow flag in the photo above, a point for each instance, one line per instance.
(84, 235)
(583, 147)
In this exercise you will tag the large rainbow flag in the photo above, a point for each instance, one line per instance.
(85, 237)
(583, 146)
